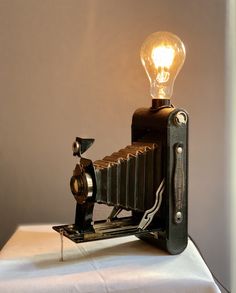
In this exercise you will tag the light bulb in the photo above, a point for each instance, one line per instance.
(162, 55)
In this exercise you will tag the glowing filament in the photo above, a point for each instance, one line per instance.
(163, 56)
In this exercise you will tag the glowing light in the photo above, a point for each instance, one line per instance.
(162, 55)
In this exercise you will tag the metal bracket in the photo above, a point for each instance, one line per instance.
(149, 214)
(114, 213)
(179, 184)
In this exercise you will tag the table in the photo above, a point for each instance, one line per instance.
(29, 262)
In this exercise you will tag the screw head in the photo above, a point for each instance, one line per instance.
(178, 217)
(179, 150)
(180, 118)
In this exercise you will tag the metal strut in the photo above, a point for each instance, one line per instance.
(149, 214)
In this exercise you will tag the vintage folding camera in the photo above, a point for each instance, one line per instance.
(148, 177)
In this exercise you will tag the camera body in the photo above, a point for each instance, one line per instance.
(148, 178)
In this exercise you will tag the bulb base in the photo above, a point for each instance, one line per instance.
(157, 103)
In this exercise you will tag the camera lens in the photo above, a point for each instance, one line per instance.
(82, 187)
(77, 185)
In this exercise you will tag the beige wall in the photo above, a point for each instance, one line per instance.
(72, 68)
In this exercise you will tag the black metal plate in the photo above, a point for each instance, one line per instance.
(102, 230)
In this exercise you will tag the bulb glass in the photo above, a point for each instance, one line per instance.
(162, 55)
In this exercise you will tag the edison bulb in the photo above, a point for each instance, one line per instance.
(162, 55)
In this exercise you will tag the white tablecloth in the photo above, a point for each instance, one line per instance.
(29, 262)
